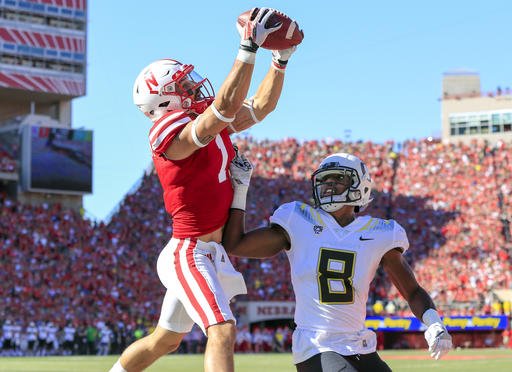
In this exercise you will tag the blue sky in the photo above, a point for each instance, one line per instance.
(371, 67)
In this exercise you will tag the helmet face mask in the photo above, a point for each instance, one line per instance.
(347, 181)
(168, 85)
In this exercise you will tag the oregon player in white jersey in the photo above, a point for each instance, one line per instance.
(333, 258)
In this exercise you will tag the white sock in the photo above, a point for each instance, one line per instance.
(118, 367)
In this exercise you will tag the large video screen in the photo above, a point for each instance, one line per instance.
(57, 160)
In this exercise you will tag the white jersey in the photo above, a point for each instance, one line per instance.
(8, 331)
(52, 330)
(106, 335)
(31, 333)
(332, 266)
(42, 331)
(69, 333)
(16, 329)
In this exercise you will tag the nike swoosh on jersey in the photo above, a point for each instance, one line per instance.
(361, 238)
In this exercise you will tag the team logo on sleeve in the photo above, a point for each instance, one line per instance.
(318, 229)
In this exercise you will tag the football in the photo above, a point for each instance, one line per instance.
(287, 36)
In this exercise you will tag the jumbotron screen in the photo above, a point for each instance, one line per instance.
(57, 160)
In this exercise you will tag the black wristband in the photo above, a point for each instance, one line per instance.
(251, 46)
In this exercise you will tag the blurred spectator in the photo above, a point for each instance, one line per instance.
(454, 200)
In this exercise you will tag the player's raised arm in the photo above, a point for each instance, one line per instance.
(231, 94)
(256, 108)
(259, 243)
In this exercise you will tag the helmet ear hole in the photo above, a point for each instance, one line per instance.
(186, 103)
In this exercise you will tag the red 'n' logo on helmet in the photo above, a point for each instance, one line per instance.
(151, 82)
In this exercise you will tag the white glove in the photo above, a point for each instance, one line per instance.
(255, 31)
(241, 171)
(438, 339)
(280, 57)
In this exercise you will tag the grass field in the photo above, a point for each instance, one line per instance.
(473, 360)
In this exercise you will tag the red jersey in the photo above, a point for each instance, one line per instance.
(197, 189)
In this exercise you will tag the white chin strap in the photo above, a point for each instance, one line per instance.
(334, 202)
(331, 207)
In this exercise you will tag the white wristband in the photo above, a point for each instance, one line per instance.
(232, 128)
(117, 367)
(248, 104)
(220, 116)
(246, 56)
(194, 134)
(240, 197)
(430, 317)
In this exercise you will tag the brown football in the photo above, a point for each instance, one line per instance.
(287, 36)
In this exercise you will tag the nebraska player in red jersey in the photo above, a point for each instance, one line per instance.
(192, 152)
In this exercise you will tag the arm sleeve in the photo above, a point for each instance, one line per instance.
(282, 217)
(399, 237)
(165, 130)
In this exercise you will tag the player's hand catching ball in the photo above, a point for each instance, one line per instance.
(256, 29)
(280, 57)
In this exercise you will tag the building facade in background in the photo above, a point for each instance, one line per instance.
(43, 63)
(467, 113)
(42, 57)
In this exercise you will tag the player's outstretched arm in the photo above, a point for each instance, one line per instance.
(230, 97)
(402, 277)
(420, 302)
(256, 108)
(260, 243)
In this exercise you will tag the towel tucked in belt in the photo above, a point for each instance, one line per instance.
(232, 281)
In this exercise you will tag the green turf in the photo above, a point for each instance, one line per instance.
(497, 360)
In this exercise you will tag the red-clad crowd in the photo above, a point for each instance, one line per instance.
(448, 199)
(7, 163)
(454, 201)
(9, 151)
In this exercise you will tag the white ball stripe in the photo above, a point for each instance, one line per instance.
(291, 29)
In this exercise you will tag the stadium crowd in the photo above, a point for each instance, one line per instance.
(7, 163)
(98, 338)
(58, 268)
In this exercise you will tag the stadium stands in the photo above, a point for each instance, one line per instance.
(455, 201)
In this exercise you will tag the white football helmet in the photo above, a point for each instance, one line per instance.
(167, 85)
(357, 194)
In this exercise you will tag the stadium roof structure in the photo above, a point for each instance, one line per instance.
(461, 71)
(29, 119)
